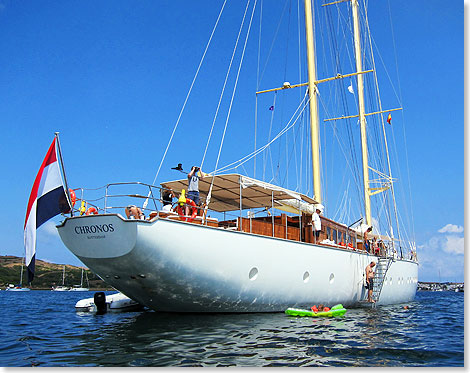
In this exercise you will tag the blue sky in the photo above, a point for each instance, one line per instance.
(111, 77)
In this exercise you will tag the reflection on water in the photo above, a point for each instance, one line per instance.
(386, 336)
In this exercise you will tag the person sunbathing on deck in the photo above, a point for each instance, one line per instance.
(134, 212)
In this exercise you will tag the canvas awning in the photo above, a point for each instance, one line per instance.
(363, 227)
(226, 192)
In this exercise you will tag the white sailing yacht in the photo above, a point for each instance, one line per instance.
(80, 287)
(61, 287)
(18, 287)
(237, 255)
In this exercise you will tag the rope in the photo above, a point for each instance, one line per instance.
(225, 83)
(186, 100)
(288, 126)
(404, 132)
(392, 189)
(269, 137)
(257, 82)
(231, 102)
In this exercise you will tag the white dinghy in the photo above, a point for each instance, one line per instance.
(117, 302)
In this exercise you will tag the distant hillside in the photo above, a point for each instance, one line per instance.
(46, 274)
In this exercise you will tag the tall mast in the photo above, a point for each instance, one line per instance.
(362, 117)
(21, 276)
(312, 76)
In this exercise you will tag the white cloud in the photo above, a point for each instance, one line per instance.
(454, 244)
(49, 228)
(451, 228)
(441, 255)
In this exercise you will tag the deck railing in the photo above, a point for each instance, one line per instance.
(111, 199)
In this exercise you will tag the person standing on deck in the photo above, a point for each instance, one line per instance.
(370, 281)
(193, 185)
(366, 239)
(316, 224)
(167, 200)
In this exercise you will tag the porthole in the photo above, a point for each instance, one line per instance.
(142, 276)
(117, 277)
(306, 277)
(253, 274)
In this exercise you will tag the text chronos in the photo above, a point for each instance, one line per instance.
(97, 228)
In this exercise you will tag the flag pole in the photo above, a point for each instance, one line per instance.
(63, 173)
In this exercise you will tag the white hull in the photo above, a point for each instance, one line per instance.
(79, 289)
(17, 289)
(174, 266)
(60, 288)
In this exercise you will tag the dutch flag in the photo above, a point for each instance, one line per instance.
(48, 198)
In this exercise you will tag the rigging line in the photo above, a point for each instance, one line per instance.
(404, 133)
(341, 91)
(269, 153)
(289, 160)
(225, 83)
(348, 127)
(249, 156)
(340, 205)
(287, 39)
(257, 82)
(295, 137)
(285, 78)
(281, 118)
(300, 96)
(231, 102)
(289, 125)
(340, 145)
(349, 130)
(274, 39)
(378, 144)
(322, 160)
(392, 189)
(187, 96)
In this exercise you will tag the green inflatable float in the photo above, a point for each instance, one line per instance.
(335, 311)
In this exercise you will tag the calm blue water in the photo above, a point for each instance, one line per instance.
(41, 328)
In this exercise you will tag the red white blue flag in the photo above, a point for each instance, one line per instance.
(48, 198)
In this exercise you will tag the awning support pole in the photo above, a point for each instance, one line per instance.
(241, 219)
(272, 210)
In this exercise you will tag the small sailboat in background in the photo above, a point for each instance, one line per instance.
(61, 287)
(80, 287)
(18, 287)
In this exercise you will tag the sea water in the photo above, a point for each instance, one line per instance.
(41, 328)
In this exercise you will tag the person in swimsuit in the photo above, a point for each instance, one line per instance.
(370, 281)
(134, 212)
